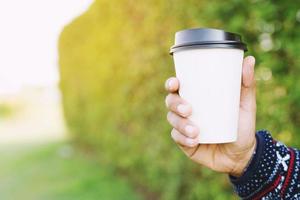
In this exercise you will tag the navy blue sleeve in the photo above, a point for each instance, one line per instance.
(273, 172)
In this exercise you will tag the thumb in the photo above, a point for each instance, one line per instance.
(248, 99)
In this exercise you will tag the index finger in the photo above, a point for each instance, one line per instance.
(172, 85)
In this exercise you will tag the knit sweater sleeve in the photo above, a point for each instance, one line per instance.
(273, 172)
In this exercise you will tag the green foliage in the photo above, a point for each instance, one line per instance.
(56, 171)
(114, 61)
(5, 110)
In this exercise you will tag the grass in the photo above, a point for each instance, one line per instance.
(59, 172)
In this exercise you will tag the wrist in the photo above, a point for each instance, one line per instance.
(244, 161)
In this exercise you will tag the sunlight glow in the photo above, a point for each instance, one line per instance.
(29, 33)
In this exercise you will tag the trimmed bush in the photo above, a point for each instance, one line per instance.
(114, 61)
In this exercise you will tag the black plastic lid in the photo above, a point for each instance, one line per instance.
(206, 38)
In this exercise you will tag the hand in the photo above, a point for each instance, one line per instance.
(229, 158)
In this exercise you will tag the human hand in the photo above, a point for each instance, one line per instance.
(229, 158)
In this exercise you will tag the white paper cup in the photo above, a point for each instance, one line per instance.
(210, 80)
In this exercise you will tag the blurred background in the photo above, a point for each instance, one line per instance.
(82, 94)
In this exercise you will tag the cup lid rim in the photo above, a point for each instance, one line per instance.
(206, 37)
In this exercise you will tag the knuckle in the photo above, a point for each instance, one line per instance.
(171, 101)
(167, 100)
(174, 119)
(177, 122)
(181, 124)
(169, 116)
(170, 98)
(173, 135)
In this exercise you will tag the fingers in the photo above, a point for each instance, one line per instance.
(248, 79)
(183, 133)
(173, 101)
(172, 85)
(183, 125)
(182, 140)
(176, 104)
(248, 97)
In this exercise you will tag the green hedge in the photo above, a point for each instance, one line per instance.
(114, 61)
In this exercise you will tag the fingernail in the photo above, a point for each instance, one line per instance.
(252, 59)
(183, 109)
(190, 130)
(170, 83)
(190, 141)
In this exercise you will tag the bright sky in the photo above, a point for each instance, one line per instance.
(29, 33)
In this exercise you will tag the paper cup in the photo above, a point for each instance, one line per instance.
(208, 64)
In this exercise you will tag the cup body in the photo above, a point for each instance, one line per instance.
(210, 80)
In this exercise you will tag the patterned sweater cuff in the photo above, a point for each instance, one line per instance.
(261, 171)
